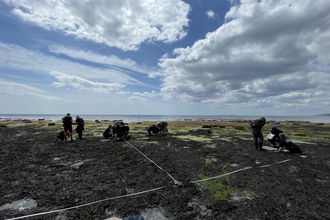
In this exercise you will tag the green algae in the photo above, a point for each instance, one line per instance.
(219, 187)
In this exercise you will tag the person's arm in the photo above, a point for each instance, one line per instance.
(279, 150)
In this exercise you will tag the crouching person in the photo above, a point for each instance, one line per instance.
(108, 133)
(274, 136)
(287, 144)
(152, 130)
(162, 127)
(122, 131)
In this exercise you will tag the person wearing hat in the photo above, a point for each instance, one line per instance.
(258, 137)
(274, 135)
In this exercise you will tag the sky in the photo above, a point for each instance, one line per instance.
(173, 57)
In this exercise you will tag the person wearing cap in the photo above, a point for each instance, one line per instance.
(67, 124)
(288, 145)
(274, 135)
(258, 137)
(80, 126)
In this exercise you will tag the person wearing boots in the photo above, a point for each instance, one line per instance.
(258, 137)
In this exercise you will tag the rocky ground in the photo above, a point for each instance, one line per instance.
(97, 179)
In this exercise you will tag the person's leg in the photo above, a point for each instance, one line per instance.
(255, 139)
(260, 140)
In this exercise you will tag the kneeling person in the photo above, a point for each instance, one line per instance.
(108, 132)
(152, 130)
(287, 144)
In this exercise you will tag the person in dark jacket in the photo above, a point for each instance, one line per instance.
(258, 137)
(152, 130)
(80, 126)
(121, 131)
(67, 124)
(162, 126)
(108, 132)
(288, 145)
(274, 135)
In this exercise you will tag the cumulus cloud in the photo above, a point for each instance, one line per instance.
(211, 15)
(266, 48)
(116, 23)
(144, 96)
(65, 80)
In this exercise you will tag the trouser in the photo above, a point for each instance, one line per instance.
(258, 138)
(79, 130)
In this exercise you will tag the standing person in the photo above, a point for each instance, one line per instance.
(258, 137)
(67, 124)
(162, 126)
(287, 144)
(80, 126)
(274, 135)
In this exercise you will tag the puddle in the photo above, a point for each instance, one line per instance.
(20, 205)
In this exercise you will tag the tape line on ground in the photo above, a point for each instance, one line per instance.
(143, 192)
(175, 181)
(87, 204)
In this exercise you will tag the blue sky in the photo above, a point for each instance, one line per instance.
(195, 57)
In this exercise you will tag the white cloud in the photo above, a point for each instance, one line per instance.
(84, 84)
(211, 15)
(21, 59)
(266, 49)
(118, 23)
(12, 88)
(112, 61)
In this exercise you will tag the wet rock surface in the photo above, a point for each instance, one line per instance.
(105, 178)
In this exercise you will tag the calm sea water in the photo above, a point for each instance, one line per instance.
(136, 118)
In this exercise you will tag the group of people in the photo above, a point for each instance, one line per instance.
(118, 130)
(66, 131)
(275, 136)
(161, 128)
(121, 131)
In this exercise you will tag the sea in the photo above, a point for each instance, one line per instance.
(157, 118)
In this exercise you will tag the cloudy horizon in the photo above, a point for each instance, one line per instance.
(246, 57)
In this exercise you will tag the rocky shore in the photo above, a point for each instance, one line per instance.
(199, 170)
